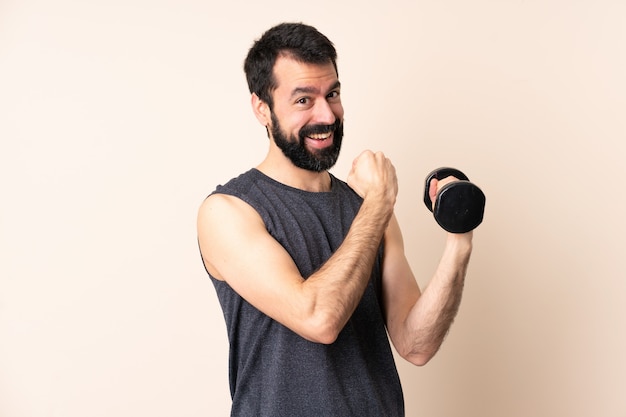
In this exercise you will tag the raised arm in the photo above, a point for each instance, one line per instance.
(237, 248)
(419, 321)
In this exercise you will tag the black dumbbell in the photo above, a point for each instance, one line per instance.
(459, 205)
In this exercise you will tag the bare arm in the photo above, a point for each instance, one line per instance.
(237, 248)
(419, 321)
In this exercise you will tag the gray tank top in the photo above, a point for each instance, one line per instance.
(274, 372)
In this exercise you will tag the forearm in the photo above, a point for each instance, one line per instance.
(337, 287)
(429, 321)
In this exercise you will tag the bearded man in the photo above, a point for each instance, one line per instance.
(310, 270)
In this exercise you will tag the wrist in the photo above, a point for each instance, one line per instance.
(461, 242)
(379, 206)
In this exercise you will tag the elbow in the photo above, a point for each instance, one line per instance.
(420, 357)
(322, 329)
(326, 338)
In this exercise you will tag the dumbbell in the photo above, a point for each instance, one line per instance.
(459, 205)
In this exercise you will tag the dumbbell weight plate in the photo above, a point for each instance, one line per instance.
(459, 206)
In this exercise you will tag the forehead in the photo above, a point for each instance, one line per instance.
(292, 75)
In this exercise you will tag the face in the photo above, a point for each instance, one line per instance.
(307, 119)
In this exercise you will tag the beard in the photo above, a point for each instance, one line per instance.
(294, 148)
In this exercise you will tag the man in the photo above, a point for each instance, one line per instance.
(310, 271)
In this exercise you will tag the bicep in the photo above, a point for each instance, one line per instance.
(237, 248)
(400, 289)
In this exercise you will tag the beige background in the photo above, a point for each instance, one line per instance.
(117, 117)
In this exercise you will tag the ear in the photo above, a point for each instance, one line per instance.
(261, 110)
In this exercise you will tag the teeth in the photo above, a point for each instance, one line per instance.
(320, 136)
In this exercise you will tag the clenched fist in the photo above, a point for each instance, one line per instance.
(374, 176)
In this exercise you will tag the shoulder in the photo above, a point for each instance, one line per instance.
(220, 209)
(229, 208)
(231, 197)
(240, 184)
(224, 224)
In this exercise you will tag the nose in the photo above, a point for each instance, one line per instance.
(325, 113)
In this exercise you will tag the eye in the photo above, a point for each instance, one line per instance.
(333, 95)
(303, 100)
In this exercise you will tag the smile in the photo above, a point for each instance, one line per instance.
(320, 136)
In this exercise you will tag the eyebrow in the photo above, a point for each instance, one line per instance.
(309, 90)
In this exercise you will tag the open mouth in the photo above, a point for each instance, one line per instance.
(320, 140)
(320, 136)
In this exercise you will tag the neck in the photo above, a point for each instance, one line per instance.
(289, 174)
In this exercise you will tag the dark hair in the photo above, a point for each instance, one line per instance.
(301, 42)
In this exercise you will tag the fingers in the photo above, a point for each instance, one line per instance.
(432, 191)
(436, 185)
(373, 174)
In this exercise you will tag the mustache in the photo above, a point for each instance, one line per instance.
(309, 130)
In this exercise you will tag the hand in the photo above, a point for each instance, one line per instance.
(373, 175)
(436, 185)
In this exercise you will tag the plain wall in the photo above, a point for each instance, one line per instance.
(118, 117)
